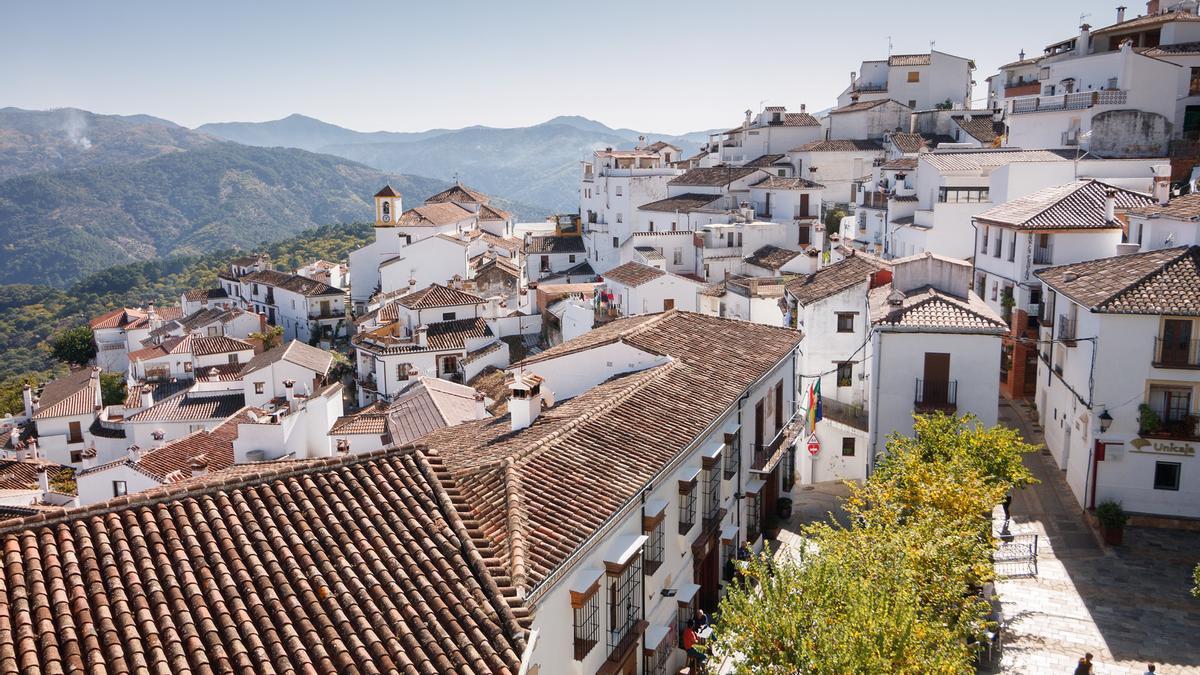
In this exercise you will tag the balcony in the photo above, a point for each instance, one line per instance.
(1077, 101)
(1042, 255)
(1022, 89)
(844, 413)
(1066, 330)
(328, 314)
(1155, 423)
(871, 87)
(874, 200)
(367, 381)
(1176, 353)
(935, 395)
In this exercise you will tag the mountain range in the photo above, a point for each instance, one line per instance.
(537, 164)
(80, 192)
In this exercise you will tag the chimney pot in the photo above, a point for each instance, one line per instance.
(43, 481)
(1110, 205)
(524, 399)
(27, 397)
(1120, 13)
(480, 406)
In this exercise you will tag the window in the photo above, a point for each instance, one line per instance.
(187, 366)
(729, 549)
(587, 621)
(845, 372)
(999, 242)
(995, 290)
(687, 505)
(258, 387)
(1194, 82)
(624, 603)
(76, 456)
(914, 76)
(782, 172)
(233, 359)
(618, 190)
(965, 195)
(753, 516)
(733, 453)
(983, 239)
(571, 258)
(739, 239)
(1012, 248)
(805, 236)
(119, 488)
(677, 256)
(402, 370)
(616, 243)
(619, 217)
(778, 408)
(1166, 475)
(789, 468)
(912, 103)
(845, 322)
(652, 551)
(712, 492)
(848, 446)
(657, 660)
(651, 226)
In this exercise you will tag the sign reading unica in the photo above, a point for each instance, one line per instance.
(814, 446)
(1144, 445)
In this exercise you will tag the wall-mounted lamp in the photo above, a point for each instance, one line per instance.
(667, 592)
(1106, 421)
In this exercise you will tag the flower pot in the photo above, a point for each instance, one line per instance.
(1113, 536)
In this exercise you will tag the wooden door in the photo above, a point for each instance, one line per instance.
(758, 426)
(668, 303)
(75, 433)
(937, 378)
(803, 204)
(1176, 342)
(778, 406)
(710, 579)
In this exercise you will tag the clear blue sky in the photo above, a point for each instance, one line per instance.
(666, 67)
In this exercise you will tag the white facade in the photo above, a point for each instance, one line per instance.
(920, 81)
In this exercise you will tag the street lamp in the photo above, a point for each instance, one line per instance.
(1106, 421)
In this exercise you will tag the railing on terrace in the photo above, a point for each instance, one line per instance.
(1176, 353)
(1077, 101)
(936, 395)
(1157, 424)
(845, 413)
(1041, 255)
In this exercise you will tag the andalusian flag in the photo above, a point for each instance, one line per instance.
(814, 407)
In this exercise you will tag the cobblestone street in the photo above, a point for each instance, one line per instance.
(1128, 605)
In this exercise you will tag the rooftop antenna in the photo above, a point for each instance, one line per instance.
(1082, 18)
(931, 44)
(889, 46)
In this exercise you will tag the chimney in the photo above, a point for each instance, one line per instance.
(43, 479)
(199, 466)
(1110, 205)
(289, 394)
(524, 399)
(480, 406)
(1120, 13)
(852, 79)
(1084, 41)
(146, 399)
(421, 336)
(160, 439)
(1162, 184)
(1128, 247)
(803, 108)
(748, 116)
(641, 143)
(343, 447)
(27, 396)
(1152, 7)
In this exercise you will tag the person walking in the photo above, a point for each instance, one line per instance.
(1085, 665)
(1149, 669)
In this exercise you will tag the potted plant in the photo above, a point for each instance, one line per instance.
(1148, 420)
(1112, 522)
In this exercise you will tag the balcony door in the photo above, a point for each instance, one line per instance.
(1176, 341)
(937, 378)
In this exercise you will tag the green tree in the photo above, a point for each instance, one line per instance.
(112, 388)
(74, 345)
(269, 337)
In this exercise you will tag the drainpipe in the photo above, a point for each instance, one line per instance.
(1090, 480)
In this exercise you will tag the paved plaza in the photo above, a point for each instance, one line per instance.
(1127, 605)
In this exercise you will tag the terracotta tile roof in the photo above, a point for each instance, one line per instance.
(526, 490)
(1165, 281)
(507, 243)
(863, 105)
(437, 295)
(459, 193)
(1148, 21)
(904, 198)
(427, 406)
(1186, 207)
(928, 309)
(189, 407)
(179, 344)
(783, 183)
(910, 143)
(433, 215)
(200, 294)
(369, 420)
(440, 336)
(487, 212)
(840, 146)
(796, 120)
(293, 282)
(980, 127)
(713, 176)
(353, 564)
(683, 203)
(765, 161)
(910, 59)
(315, 359)
(23, 474)
(75, 393)
(632, 274)
(218, 344)
(772, 257)
(900, 164)
(658, 146)
(978, 160)
(835, 278)
(173, 462)
(160, 391)
(1177, 49)
(224, 372)
(1073, 206)
(132, 317)
(555, 244)
(387, 191)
